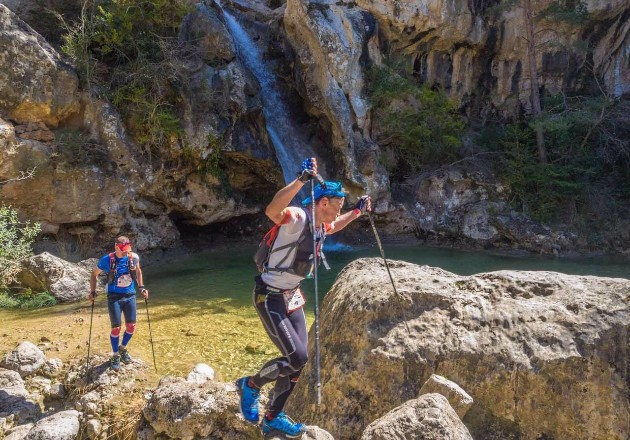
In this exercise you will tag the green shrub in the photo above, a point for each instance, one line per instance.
(588, 154)
(421, 124)
(16, 239)
(8, 302)
(129, 47)
(26, 300)
(574, 12)
(74, 147)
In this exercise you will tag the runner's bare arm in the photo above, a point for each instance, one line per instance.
(342, 221)
(275, 209)
(95, 273)
(363, 205)
(140, 281)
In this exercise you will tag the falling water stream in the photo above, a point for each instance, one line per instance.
(291, 147)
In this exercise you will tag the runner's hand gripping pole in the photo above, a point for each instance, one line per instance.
(315, 263)
(308, 171)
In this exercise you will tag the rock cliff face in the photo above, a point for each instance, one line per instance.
(90, 180)
(477, 52)
(333, 43)
(543, 355)
(466, 47)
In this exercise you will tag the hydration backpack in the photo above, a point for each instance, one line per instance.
(131, 264)
(302, 258)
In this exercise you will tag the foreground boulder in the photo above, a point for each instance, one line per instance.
(64, 280)
(26, 359)
(459, 399)
(179, 409)
(543, 355)
(15, 401)
(429, 417)
(63, 425)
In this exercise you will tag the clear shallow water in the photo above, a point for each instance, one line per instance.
(200, 306)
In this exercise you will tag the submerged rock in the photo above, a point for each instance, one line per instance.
(541, 353)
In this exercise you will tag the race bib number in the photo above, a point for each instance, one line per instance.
(294, 300)
(124, 281)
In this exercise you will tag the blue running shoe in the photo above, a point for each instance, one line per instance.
(284, 425)
(124, 355)
(249, 400)
(114, 363)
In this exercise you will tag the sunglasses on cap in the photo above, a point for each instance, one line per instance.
(124, 247)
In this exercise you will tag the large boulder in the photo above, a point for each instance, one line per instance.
(15, 400)
(467, 205)
(185, 410)
(64, 280)
(63, 425)
(544, 355)
(429, 417)
(26, 359)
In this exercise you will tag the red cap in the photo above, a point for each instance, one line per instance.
(124, 247)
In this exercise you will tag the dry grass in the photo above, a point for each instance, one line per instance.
(126, 417)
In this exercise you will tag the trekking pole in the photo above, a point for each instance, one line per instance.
(87, 364)
(146, 305)
(380, 247)
(317, 354)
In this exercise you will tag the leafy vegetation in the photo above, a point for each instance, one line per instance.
(16, 240)
(26, 300)
(588, 151)
(128, 48)
(570, 11)
(74, 147)
(420, 124)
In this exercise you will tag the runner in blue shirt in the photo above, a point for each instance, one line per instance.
(123, 274)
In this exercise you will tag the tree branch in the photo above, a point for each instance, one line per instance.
(23, 176)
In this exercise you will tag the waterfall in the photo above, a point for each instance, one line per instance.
(291, 148)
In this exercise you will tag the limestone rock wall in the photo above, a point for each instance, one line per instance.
(333, 43)
(88, 181)
(542, 354)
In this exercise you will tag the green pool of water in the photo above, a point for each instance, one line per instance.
(200, 306)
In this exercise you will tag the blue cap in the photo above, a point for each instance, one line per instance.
(333, 189)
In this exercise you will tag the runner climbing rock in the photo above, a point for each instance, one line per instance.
(123, 275)
(278, 298)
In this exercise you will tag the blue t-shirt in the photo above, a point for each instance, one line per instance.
(123, 282)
